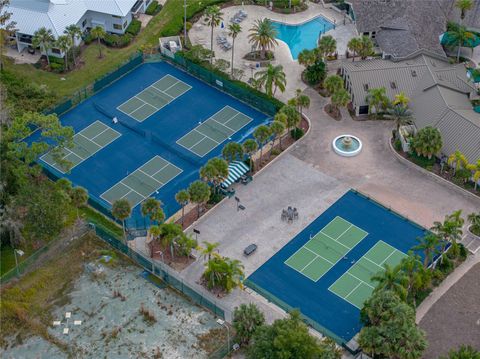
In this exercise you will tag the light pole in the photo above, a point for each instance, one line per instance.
(20, 253)
(223, 324)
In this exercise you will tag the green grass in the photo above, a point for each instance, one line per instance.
(7, 259)
(97, 218)
(166, 23)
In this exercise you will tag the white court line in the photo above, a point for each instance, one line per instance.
(333, 239)
(378, 265)
(308, 263)
(94, 137)
(221, 124)
(159, 170)
(354, 276)
(89, 140)
(318, 255)
(387, 257)
(146, 174)
(358, 285)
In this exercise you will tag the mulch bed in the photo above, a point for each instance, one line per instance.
(178, 263)
(333, 112)
(447, 174)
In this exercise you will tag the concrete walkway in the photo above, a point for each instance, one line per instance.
(446, 285)
(200, 35)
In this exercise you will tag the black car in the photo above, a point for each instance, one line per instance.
(250, 249)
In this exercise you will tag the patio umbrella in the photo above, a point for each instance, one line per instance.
(222, 25)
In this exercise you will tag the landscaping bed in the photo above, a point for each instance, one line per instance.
(434, 166)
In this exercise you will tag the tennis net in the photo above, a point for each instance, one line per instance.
(141, 183)
(158, 141)
(216, 129)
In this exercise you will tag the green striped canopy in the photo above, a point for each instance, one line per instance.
(236, 169)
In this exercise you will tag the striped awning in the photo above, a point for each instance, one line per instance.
(236, 169)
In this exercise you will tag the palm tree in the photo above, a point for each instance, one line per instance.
(428, 244)
(250, 146)
(272, 78)
(44, 38)
(464, 6)
(394, 279)
(365, 47)
(262, 134)
(150, 207)
(377, 99)
(64, 43)
(263, 35)
(277, 129)
(340, 98)
(74, 32)
(214, 17)
(400, 114)
(326, 45)
(459, 35)
(427, 142)
(232, 151)
(154, 232)
(475, 168)
(209, 249)
(354, 46)
(121, 210)
(458, 160)
(417, 276)
(474, 219)
(98, 33)
(293, 117)
(401, 99)
(307, 57)
(182, 198)
(215, 171)
(233, 31)
(199, 193)
(333, 83)
(234, 274)
(449, 230)
(302, 101)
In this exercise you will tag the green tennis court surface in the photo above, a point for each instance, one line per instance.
(355, 285)
(208, 135)
(85, 144)
(326, 248)
(154, 97)
(143, 182)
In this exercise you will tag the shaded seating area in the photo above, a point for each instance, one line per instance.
(237, 171)
(239, 17)
(289, 215)
(224, 43)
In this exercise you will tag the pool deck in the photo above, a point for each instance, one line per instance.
(200, 35)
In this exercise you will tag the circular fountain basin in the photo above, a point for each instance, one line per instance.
(347, 145)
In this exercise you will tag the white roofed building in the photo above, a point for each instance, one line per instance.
(30, 15)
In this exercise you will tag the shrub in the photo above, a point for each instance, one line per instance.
(296, 133)
(314, 74)
(56, 67)
(88, 39)
(114, 40)
(154, 8)
(215, 198)
(134, 27)
(445, 265)
(397, 145)
(462, 251)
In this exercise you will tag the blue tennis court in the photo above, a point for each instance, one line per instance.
(156, 105)
(325, 270)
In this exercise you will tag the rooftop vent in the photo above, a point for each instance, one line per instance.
(365, 87)
(393, 85)
(414, 73)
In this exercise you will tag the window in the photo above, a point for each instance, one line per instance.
(365, 87)
(125, 24)
(116, 16)
(56, 51)
(84, 23)
(363, 110)
(393, 85)
(117, 26)
(373, 34)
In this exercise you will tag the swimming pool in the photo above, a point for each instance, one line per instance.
(302, 36)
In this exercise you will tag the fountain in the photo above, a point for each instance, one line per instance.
(347, 145)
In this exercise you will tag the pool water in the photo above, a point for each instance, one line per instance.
(303, 36)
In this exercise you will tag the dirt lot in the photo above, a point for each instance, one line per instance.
(455, 318)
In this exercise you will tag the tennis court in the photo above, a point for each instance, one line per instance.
(355, 286)
(215, 130)
(143, 182)
(325, 270)
(326, 248)
(154, 97)
(86, 143)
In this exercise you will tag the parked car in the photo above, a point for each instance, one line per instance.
(250, 249)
